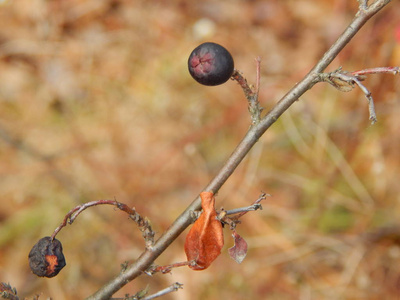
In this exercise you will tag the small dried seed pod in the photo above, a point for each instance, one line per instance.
(46, 258)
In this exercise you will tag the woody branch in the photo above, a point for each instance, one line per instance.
(146, 259)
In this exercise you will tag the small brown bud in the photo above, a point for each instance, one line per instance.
(46, 258)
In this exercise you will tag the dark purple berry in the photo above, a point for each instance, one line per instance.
(210, 64)
(46, 258)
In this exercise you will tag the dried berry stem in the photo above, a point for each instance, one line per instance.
(250, 92)
(144, 225)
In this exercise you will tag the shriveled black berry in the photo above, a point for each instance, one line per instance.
(46, 258)
(210, 64)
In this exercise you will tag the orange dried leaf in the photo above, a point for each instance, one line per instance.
(205, 239)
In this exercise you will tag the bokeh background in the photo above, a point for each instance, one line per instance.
(96, 103)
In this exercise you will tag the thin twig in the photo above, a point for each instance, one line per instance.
(173, 288)
(144, 225)
(344, 81)
(258, 75)
(379, 70)
(225, 218)
(254, 133)
(167, 268)
(73, 213)
(263, 196)
(241, 210)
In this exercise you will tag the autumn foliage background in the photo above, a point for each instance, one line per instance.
(96, 103)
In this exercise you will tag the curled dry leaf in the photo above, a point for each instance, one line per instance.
(239, 251)
(205, 239)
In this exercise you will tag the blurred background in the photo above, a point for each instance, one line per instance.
(96, 103)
